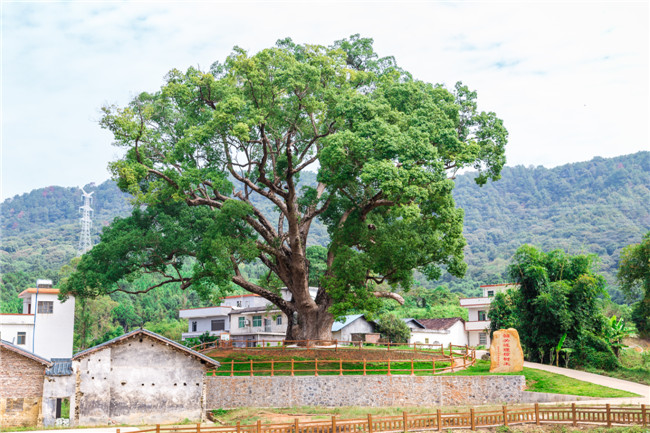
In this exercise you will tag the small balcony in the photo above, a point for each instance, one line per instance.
(478, 325)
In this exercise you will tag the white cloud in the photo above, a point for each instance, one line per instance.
(570, 80)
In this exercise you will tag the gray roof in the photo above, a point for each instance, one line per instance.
(60, 367)
(410, 319)
(337, 326)
(152, 335)
(19, 350)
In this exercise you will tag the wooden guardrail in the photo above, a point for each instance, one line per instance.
(575, 415)
(336, 367)
(331, 345)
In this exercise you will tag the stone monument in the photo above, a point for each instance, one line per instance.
(506, 355)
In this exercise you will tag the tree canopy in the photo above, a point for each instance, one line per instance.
(203, 152)
(558, 294)
(634, 277)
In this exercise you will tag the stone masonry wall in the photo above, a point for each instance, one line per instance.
(21, 390)
(333, 391)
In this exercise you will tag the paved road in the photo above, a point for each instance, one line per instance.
(611, 382)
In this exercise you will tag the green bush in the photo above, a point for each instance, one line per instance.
(595, 352)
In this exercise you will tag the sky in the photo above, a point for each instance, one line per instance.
(569, 79)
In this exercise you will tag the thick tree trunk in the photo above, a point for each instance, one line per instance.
(312, 324)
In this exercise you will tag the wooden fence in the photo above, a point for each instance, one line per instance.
(334, 345)
(574, 415)
(342, 367)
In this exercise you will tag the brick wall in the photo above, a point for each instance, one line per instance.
(21, 389)
(374, 391)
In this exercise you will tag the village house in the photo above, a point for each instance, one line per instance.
(46, 325)
(478, 323)
(437, 331)
(22, 376)
(354, 328)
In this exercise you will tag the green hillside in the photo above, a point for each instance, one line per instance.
(598, 207)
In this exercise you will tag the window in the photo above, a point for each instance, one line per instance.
(426, 341)
(21, 338)
(490, 292)
(482, 338)
(193, 326)
(257, 320)
(239, 304)
(242, 322)
(218, 325)
(482, 315)
(278, 320)
(45, 307)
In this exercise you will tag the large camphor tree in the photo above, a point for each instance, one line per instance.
(214, 161)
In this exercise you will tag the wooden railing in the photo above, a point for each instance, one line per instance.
(336, 367)
(473, 419)
(275, 345)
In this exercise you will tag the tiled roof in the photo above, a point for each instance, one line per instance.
(60, 367)
(337, 326)
(440, 323)
(152, 335)
(410, 319)
(40, 291)
(19, 350)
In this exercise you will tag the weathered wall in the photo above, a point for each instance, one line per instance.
(21, 390)
(333, 391)
(139, 381)
(56, 387)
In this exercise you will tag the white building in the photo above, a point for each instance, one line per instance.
(478, 323)
(46, 325)
(438, 331)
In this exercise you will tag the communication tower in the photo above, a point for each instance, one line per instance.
(85, 242)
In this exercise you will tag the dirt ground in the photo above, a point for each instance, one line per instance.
(635, 343)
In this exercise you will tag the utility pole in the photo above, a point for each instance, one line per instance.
(85, 242)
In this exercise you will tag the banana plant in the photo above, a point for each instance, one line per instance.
(616, 332)
(558, 349)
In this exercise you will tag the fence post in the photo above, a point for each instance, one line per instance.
(333, 424)
(117, 431)
(340, 367)
(415, 347)
(573, 414)
(272, 367)
(292, 366)
(238, 427)
(450, 348)
(388, 367)
(433, 362)
(336, 345)
(198, 427)
(644, 421)
(232, 368)
(473, 421)
(157, 428)
(439, 419)
(295, 426)
(609, 415)
(405, 421)
(537, 413)
(251, 367)
(505, 415)
(259, 426)
(364, 366)
(369, 423)
(316, 369)
(412, 371)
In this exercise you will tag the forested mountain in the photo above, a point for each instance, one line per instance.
(598, 207)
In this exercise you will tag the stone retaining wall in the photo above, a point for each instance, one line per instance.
(286, 391)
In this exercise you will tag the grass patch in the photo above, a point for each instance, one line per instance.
(543, 381)
(262, 366)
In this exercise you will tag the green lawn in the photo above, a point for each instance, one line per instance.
(543, 381)
(307, 367)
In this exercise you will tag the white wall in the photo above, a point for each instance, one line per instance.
(473, 337)
(12, 324)
(454, 335)
(53, 333)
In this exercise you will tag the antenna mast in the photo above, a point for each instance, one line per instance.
(85, 242)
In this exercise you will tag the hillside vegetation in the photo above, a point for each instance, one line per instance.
(599, 207)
